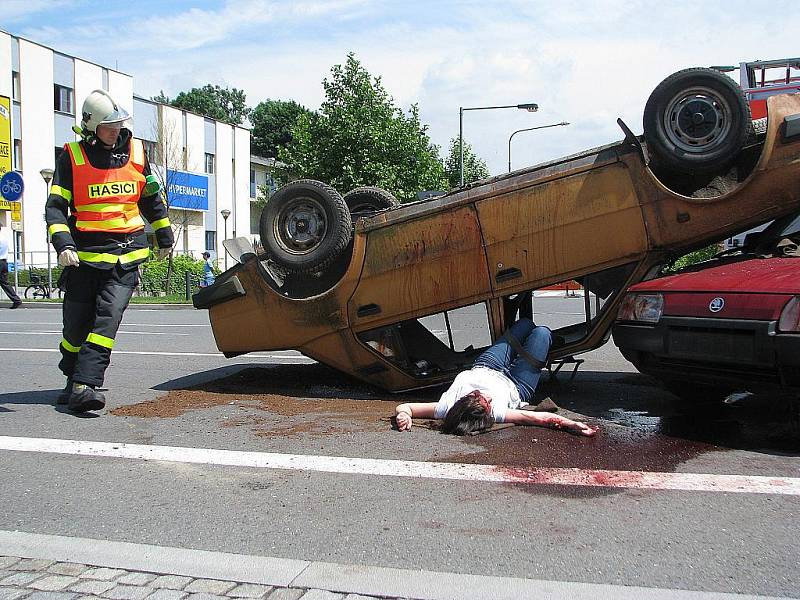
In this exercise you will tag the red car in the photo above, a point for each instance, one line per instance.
(729, 324)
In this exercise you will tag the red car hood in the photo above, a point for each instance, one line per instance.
(755, 289)
(757, 275)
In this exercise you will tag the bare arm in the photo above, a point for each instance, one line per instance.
(545, 419)
(420, 410)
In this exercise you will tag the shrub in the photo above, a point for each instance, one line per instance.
(154, 273)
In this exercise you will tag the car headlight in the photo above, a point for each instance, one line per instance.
(790, 316)
(646, 308)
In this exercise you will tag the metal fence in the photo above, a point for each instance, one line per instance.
(36, 277)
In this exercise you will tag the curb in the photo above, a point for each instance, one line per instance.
(339, 578)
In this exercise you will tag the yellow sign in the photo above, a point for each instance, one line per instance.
(5, 135)
(5, 204)
(115, 188)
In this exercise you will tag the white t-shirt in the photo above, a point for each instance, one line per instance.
(494, 384)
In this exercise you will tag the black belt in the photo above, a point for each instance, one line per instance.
(529, 358)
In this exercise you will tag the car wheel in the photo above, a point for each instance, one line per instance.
(696, 120)
(366, 201)
(305, 226)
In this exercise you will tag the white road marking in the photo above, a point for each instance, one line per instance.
(300, 358)
(692, 482)
(124, 323)
(118, 332)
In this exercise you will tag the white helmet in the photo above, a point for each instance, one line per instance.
(99, 108)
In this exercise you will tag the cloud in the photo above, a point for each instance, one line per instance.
(586, 63)
(18, 10)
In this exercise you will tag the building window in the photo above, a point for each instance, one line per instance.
(15, 88)
(63, 99)
(18, 155)
(209, 163)
(150, 151)
(211, 241)
(253, 183)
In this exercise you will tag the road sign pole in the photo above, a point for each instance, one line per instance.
(14, 258)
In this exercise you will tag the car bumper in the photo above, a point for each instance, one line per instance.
(712, 350)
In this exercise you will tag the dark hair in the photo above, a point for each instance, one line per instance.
(206, 255)
(468, 414)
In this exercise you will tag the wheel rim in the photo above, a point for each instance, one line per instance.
(697, 120)
(363, 209)
(301, 225)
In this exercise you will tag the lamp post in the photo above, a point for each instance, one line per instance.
(528, 129)
(225, 214)
(530, 107)
(47, 175)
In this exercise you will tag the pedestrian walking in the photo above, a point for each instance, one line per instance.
(7, 287)
(502, 380)
(208, 270)
(102, 187)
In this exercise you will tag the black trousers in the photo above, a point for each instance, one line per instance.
(94, 302)
(7, 287)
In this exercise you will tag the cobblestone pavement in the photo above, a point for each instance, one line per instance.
(35, 579)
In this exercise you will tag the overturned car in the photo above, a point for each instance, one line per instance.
(376, 296)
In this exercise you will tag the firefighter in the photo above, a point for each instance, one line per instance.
(102, 187)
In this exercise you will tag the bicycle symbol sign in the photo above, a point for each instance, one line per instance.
(11, 186)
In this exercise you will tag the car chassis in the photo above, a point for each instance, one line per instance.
(606, 218)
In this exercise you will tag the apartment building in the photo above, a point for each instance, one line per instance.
(204, 165)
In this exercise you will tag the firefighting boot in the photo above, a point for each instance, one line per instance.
(63, 396)
(84, 397)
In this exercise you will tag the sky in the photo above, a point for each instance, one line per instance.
(583, 62)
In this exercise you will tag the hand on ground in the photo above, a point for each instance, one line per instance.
(403, 421)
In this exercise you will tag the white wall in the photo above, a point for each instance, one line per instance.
(120, 86)
(38, 132)
(5, 90)
(224, 183)
(242, 181)
(195, 143)
(5, 64)
(88, 77)
(172, 135)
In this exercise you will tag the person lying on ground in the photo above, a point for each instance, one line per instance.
(503, 379)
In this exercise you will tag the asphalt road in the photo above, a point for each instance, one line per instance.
(695, 540)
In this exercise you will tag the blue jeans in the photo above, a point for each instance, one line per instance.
(502, 357)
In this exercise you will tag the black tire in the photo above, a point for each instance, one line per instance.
(366, 201)
(696, 120)
(33, 292)
(305, 226)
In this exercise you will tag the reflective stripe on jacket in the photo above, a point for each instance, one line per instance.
(106, 200)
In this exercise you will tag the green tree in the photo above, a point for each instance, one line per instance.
(474, 166)
(359, 137)
(272, 122)
(692, 258)
(223, 104)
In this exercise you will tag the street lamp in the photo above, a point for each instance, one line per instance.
(530, 107)
(225, 214)
(47, 175)
(529, 129)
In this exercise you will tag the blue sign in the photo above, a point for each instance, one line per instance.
(11, 186)
(187, 190)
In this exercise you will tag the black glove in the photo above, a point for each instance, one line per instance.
(164, 238)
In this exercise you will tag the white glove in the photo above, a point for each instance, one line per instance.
(68, 258)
